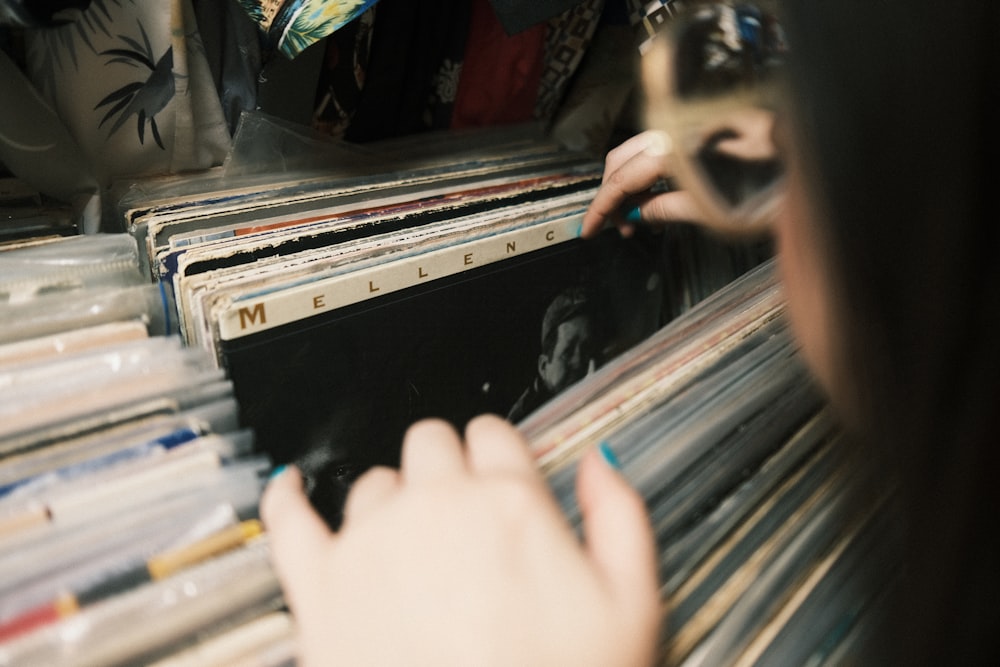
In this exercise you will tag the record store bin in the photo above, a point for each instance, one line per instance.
(234, 239)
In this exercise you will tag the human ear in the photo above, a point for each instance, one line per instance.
(543, 363)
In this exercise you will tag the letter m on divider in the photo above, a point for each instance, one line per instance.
(249, 317)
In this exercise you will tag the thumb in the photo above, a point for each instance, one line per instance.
(298, 534)
(619, 537)
(673, 206)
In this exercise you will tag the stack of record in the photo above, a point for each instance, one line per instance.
(406, 279)
(766, 554)
(150, 380)
(128, 489)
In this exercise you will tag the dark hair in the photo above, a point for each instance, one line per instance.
(893, 103)
(571, 302)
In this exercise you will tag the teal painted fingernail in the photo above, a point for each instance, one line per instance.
(579, 230)
(609, 455)
(633, 215)
(278, 470)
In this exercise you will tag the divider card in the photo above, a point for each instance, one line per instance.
(330, 374)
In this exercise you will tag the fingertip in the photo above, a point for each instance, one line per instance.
(493, 444)
(672, 206)
(616, 524)
(371, 489)
(430, 427)
(298, 536)
(281, 486)
(296, 529)
(594, 473)
(432, 449)
(609, 456)
(590, 225)
(658, 143)
(490, 422)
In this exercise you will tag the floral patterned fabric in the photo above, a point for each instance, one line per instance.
(377, 94)
(134, 86)
(292, 25)
(568, 38)
(343, 75)
(130, 81)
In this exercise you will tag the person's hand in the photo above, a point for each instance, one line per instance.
(630, 171)
(463, 557)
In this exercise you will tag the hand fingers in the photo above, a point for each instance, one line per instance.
(618, 534)
(370, 490)
(432, 450)
(298, 534)
(634, 177)
(677, 206)
(650, 141)
(495, 445)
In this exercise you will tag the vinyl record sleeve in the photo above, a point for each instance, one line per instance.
(92, 260)
(685, 552)
(118, 408)
(335, 390)
(381, 212)
(247, 644)
(775, 580)
(214, 416)
(238, 487)
(840, 593)
(154, 619)
(276, 256)
(651, 372)
(67, 310)
(204, 294)
(368, 195)
(71, 342)
(90, 559)
(803, 516)
(435, 162)
(394, 261)
(41, 395)
(236, 186)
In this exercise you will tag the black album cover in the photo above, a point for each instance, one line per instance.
(335, 392)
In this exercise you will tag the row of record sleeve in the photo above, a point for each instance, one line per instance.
(152, 378)
(774, 548)
(412, 280)
(129, 490)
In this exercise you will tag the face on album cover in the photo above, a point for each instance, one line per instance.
(335, 393)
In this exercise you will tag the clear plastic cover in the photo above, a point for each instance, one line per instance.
(156, 617)
(151, 304)
(70, 263)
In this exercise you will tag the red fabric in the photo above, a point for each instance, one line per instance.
(500, 73)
